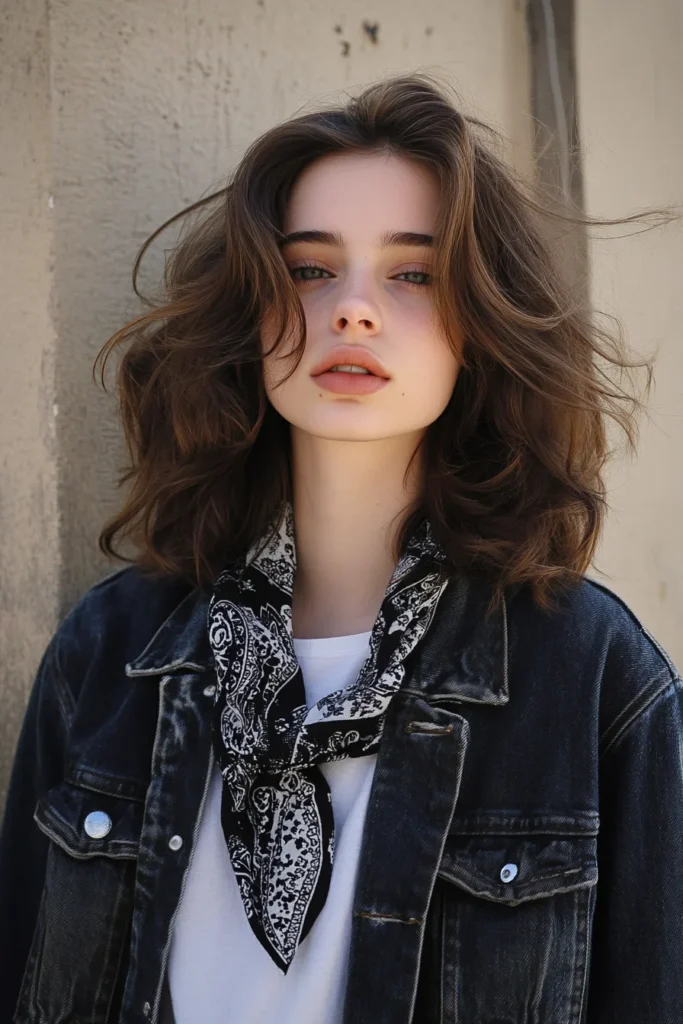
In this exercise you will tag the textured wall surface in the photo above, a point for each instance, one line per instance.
(630, 84)
(29, 548)
(123, 113)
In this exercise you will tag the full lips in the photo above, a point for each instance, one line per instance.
(340, 382)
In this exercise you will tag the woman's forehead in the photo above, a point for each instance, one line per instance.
(375, 192)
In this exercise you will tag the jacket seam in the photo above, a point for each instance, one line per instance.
(632, 708)
(666, 691)
(654, 644)
(63, 691)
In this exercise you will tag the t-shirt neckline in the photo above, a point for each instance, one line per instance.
(331, 646)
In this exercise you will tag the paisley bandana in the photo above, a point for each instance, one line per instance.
(276, 809)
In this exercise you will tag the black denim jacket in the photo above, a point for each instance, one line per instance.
(522, 859)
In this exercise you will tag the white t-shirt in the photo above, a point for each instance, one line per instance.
(218, 972)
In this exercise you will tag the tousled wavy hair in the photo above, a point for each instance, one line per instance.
(513, 466)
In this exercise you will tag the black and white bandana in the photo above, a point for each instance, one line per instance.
(276, 809)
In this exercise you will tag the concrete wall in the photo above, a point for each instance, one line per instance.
(123, 113)
(29, 544)
(630, 85)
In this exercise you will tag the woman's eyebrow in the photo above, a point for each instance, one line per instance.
(389, 238)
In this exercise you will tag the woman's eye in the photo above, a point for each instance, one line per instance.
(311, 272)
(423, 277)
(308, 272)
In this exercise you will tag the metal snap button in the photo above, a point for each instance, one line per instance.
(175, 842)
(209, 691)
(508, 872)
(147, 1009)
(97, 824)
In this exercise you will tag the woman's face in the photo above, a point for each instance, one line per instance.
(360, 256)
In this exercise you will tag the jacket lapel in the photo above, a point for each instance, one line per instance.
(414, 793)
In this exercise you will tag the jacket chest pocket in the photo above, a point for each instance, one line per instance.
(83, 925)
(509, 933)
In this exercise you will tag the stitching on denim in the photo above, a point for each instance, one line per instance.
(668, 690)
(62, 688)
(506, 650)
(539, 878)
(513, 832)
(134, 953)
(524, 897)
(627, 713)
(163, 966)
(82, 776)
(442, 965)
(504, 821)
(106, 974)
(581, 959)
(457, 961)
(65, 698)
(435, 872)
(29, 980)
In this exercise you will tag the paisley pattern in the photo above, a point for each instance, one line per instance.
(276, 809)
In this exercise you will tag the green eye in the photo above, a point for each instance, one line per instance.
(424, 277)
(308, 271)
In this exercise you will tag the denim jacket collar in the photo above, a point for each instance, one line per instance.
(180, 644)
(464, 657)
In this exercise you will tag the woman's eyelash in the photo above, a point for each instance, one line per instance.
(308, 266)
(403, 273)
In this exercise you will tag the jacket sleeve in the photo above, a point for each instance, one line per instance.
(636, 974)
(38, 765)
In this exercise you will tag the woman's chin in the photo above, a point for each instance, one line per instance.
(353, 424)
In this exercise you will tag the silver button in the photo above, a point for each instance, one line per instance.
(175, 842)
(97, 824)
(209, 691)
(508, 872)
(147, 1009)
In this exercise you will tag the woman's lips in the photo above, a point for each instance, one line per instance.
(341, 382)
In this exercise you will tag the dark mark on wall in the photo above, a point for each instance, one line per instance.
(371, 29)
(429, 30)
(345, 48)
(337, 28)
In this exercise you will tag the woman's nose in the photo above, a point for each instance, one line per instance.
(356, 314)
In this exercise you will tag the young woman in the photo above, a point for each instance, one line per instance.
(355, 739)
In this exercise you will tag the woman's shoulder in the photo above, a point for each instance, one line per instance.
(594, 639)
(609, 620)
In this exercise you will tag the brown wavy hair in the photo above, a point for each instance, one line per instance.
(513, 466)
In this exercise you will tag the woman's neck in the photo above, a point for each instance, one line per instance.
(349, 502)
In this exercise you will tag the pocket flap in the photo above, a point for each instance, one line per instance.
(68, 814)
(512, 869)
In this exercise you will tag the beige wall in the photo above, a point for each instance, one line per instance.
(124, 112)
(29, 547)
(630, 85)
